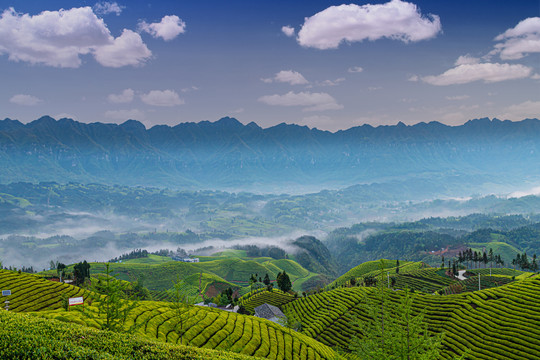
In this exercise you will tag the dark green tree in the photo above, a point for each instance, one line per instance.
(284, 282)
(397, 266)
(81, 272)
(266, 279)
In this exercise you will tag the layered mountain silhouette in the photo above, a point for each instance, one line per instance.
(229, 155)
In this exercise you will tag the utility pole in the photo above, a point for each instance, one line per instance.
(388, 275)
(479, 281)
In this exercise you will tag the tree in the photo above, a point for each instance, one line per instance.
(397, 266)
(395, 332)
(284, 282)
(81, 272)
(113, 305)
(182, 301)
(266, 279)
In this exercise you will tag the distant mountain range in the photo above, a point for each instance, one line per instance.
(229, 155)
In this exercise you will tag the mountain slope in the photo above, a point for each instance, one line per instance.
(228, 154)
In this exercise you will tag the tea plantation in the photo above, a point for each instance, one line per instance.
(497, 323)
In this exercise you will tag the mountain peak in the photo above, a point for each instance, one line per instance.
(228, 122)
(133, 125)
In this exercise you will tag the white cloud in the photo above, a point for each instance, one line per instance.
(127, 49)
(170, 27)
(288, 30)
(487, 72)
(310, 101)
(104, 8)
(162, 98)
(536, 76)
(134, 114)
(396, 20)
(519, 41)
(527, 109)
(124, 97)
(25, 100)
(466, 60)
(59, 38)
(457, 97)
(413, 78)
(374, 88)
(331, 82)
(288, 76)
(355, 69)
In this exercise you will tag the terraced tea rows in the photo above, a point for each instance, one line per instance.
(214, 329)
(424, 280)
(30, 337)
(275, 297)
(33, 293)
(372, 268)
(205, 327)
(498, 323)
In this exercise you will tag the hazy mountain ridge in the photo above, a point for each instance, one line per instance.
(227, 154)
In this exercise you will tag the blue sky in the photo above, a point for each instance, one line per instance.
(323, 64)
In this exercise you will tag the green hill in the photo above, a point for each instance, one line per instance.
(497, 323)
(205, 327)
(34, 293)
(371, 267)
(30, 337)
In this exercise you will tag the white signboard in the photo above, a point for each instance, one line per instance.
(76, 301)
(6, 292)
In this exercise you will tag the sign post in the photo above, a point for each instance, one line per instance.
(6, 293)
(76, 301)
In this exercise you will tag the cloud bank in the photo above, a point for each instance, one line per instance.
(25, 100)
(397, 20)
(310, 101)
(519, 41)
(162, 98)
(60, 38)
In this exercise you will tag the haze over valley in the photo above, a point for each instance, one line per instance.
(310, 180)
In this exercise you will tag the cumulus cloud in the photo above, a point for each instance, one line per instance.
(528, 109)
(127, 49)
(104, 8)
(487, 72)
(310, 101)
(170, 27)
(288, 30)
(288, 76)
(59, 38)
(124, 97)
(517, 42)
(25, 100)
(355, 69)
(162, 98)
(413, 78)
(396, 20)
(125, 114)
